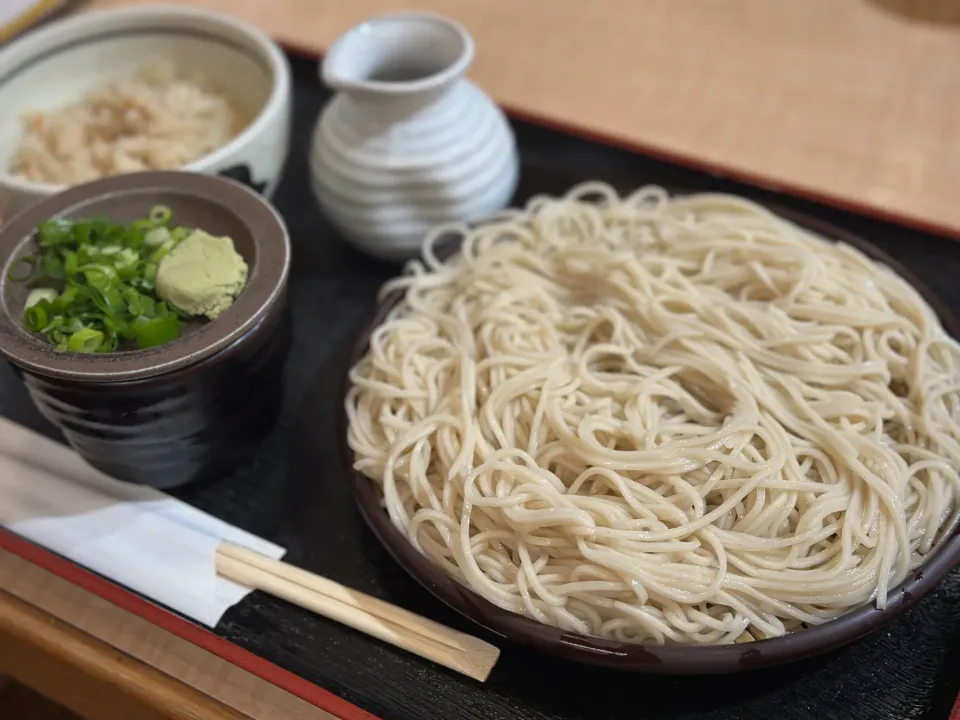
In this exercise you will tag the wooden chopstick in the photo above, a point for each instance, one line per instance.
(367, 603)
(428, 639)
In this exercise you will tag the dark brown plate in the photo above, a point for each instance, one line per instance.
(666, 659)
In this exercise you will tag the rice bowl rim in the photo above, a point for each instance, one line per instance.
(65, 33)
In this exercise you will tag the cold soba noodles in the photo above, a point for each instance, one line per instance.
(661, 419)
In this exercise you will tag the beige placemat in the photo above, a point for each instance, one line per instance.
(849, 99)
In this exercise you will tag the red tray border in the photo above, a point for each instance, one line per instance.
(292, 683)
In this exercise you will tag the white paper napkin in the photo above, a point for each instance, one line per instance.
(136, 536)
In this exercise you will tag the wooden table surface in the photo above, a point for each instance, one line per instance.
(106, 663)
(855, 100)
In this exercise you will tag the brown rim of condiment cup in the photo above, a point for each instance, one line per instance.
(216, 197)
(672, 659)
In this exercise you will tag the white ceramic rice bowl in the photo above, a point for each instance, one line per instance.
(59, 64)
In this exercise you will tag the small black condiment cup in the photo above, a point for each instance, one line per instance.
(185, 411)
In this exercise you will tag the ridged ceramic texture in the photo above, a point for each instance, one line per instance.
(384, 182)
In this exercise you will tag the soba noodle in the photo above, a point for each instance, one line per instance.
(661, 419)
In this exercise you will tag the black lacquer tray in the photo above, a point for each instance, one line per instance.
(293, 492)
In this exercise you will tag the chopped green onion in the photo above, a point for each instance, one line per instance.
(161, 252)
(52, 267)
(27, 266)
(111, 342)
(110, 300)
(117, 327)
(134, 241)
(160, 214)
(85, 234)
(55, 232)
(85, 341)
(156, 237)
(73, 325)
(71, 263)
(35, 296)
(93, 283)
(143, 284)
(138, 304)
(127, 264)
(36, 317)
(151, 332)
(52, 325)
(66, 298)
(97, 273)
(140, 227)
(127, 256)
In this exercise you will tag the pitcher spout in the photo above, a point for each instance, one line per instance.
(408, 54)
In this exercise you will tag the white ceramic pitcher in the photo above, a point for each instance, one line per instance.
(407, 143)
